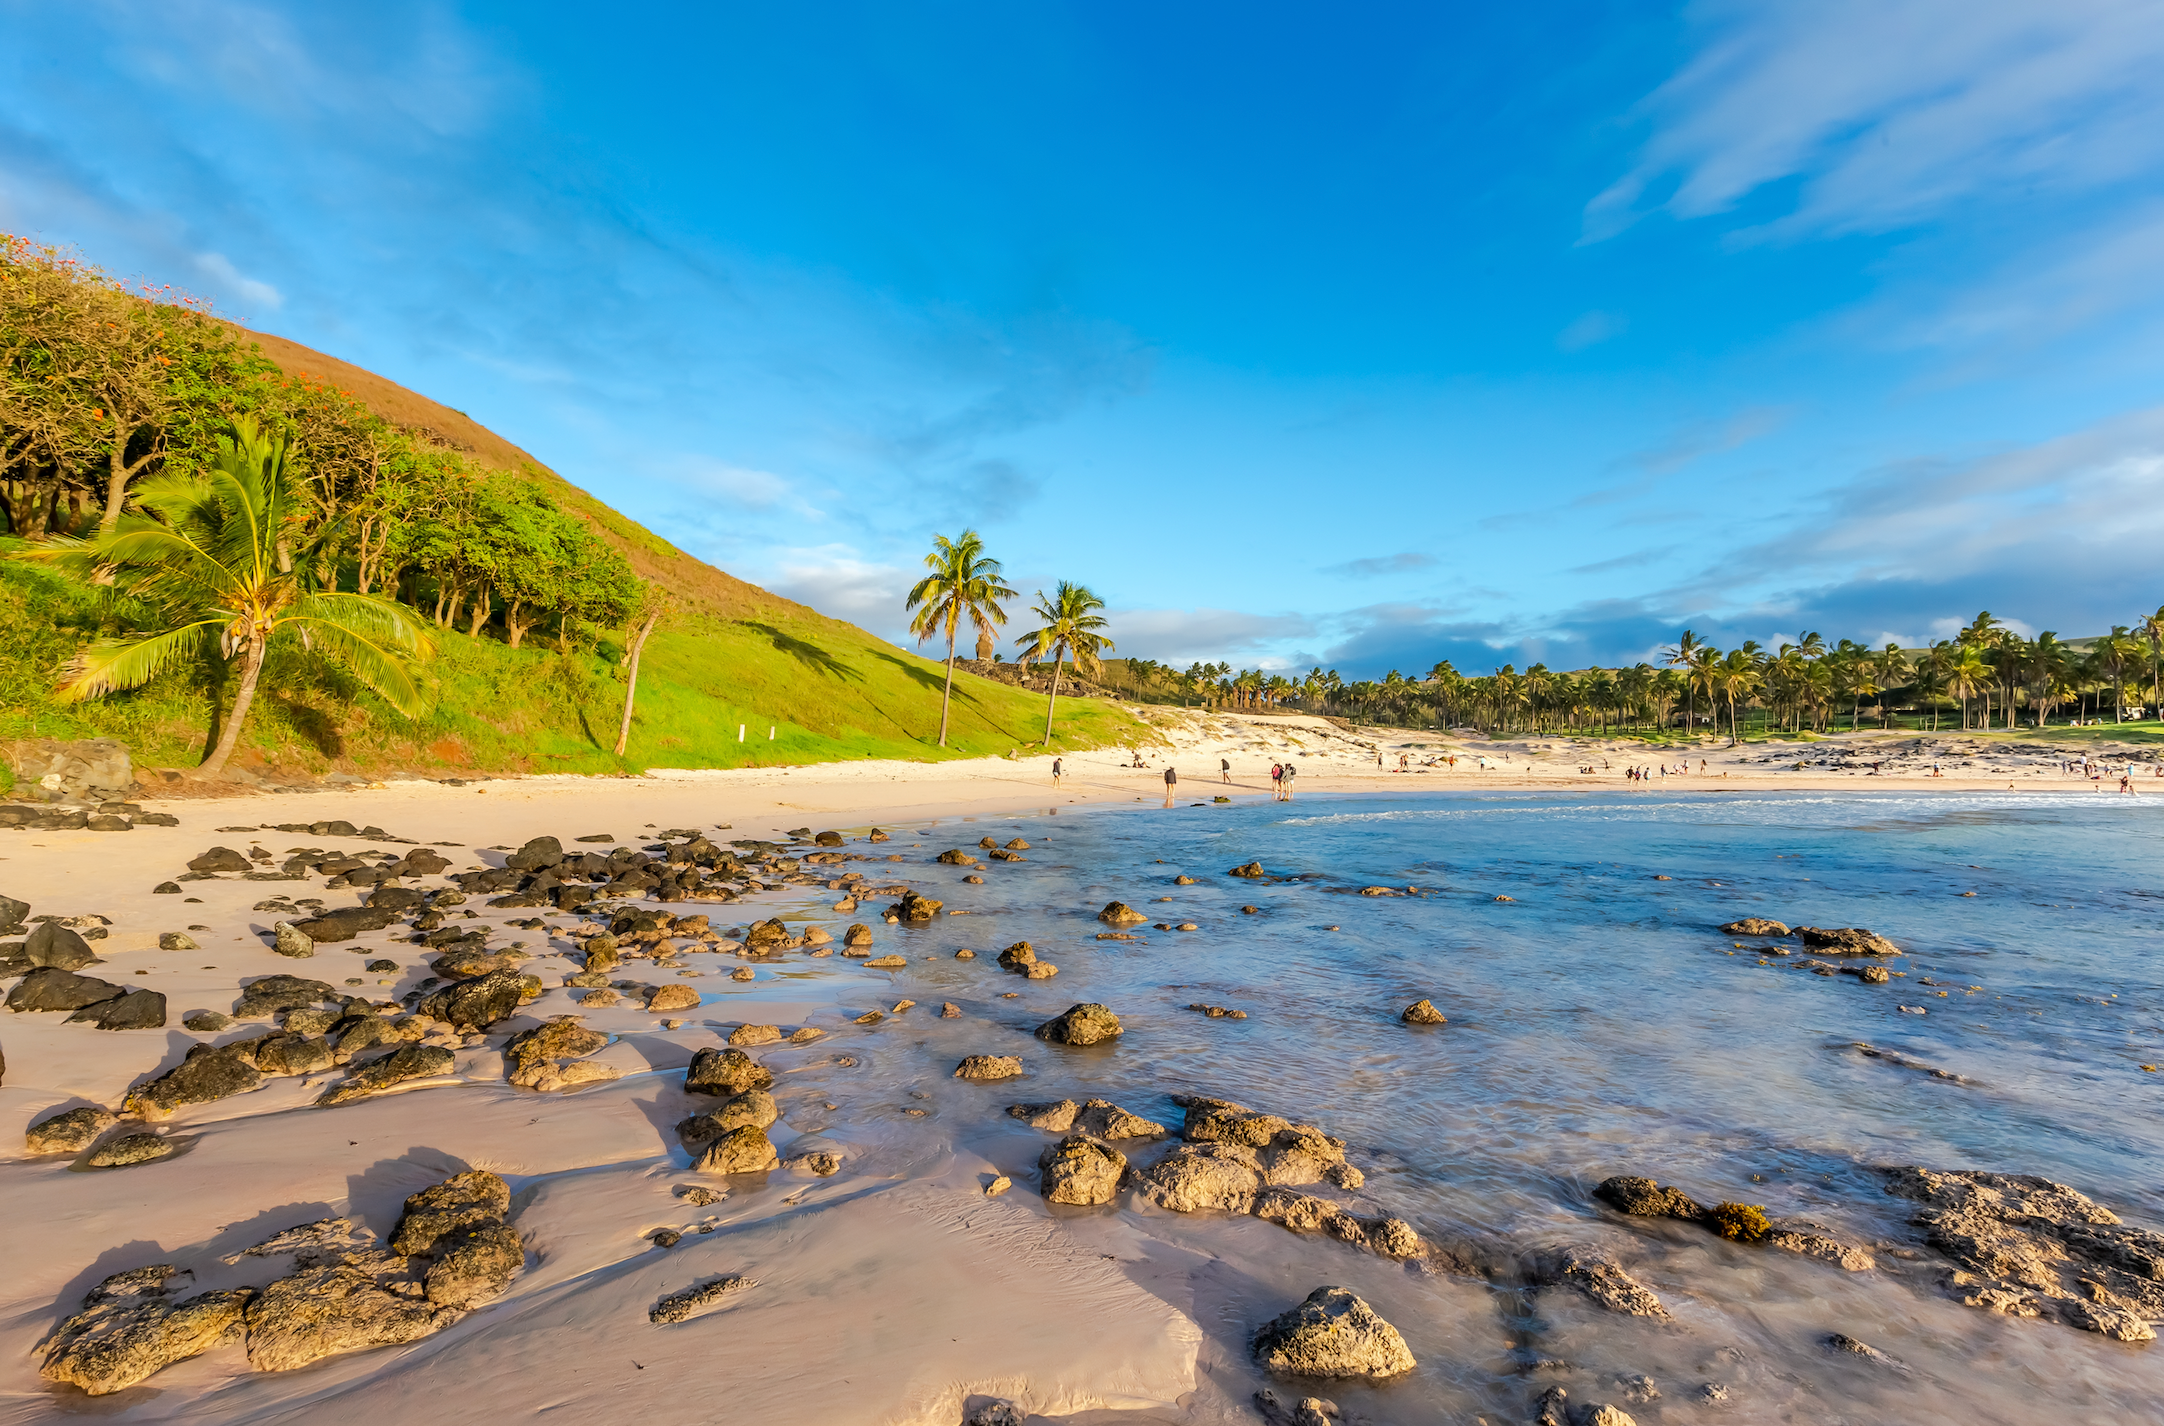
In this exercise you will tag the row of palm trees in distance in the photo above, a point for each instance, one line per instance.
(966, 583)
(1996, 678)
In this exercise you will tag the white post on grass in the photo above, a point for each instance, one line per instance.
(740, 732)
(770, 735)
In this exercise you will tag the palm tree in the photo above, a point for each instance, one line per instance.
(963, 580)
(1684, 654)
(1071, 623)
(1737, 674)
(1967, 674)
(221, 563)
(2152, 629)
(1891, 667)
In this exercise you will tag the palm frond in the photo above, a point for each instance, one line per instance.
(381, 668)
(110, 664)
(367, 616)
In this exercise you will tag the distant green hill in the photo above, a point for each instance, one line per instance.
(733, 655)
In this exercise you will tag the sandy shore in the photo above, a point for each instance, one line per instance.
(892, 1292)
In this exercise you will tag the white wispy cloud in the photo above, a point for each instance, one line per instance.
(1888, 112)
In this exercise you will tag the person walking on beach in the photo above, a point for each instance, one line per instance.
(1055, 769)
(1172, 781)
(1224, 767)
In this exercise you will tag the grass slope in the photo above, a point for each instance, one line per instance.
(828, 690)
(734, 654)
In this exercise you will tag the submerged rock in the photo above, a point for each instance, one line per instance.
(2029, 1247)
(1334, 1333)
(1596, 1273)
(132, 1326)
(1080, 1172)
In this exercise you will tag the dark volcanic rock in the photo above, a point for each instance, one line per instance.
(404, 1063)
(536, 854)
(1089, 1024)
(913, 907)
(726, 1072)
(52, 944)
(395, 899)
(49, 989)
(136, 1010)
(1252, 871)
(208, 1073)
(269, 994)
(69, 1132)
(219, 859)
(346, 923)
(479, 1003)
(12, 913)
(473, 1264)
(129, 1150)
(680, 1306)
(324, 1311)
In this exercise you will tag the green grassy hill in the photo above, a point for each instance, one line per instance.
(732, 655)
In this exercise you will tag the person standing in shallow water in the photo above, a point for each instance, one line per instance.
(1277, 782)
(1172, 781)
(1290, 769)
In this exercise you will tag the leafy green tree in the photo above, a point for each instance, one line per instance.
(206, 561)
(963, 582)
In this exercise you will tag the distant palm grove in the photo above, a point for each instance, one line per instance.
(1986, 676)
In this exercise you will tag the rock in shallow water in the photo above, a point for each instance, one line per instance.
(715, 1071)
(1080, 1172)
(1423, 1012)
(2029, 1247)
(1089, 1024)
(984, 1067)
(1197, 1177)
(1333, 1334)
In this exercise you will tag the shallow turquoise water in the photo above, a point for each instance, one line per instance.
(1601, 1024)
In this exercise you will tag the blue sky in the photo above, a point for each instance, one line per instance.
(1364, 338)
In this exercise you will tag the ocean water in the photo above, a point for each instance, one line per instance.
(1599, 1023)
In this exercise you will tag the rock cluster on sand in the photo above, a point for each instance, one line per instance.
(452, 1250)
(407, 1062)
(1334, 1334)
(2028, 1247)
